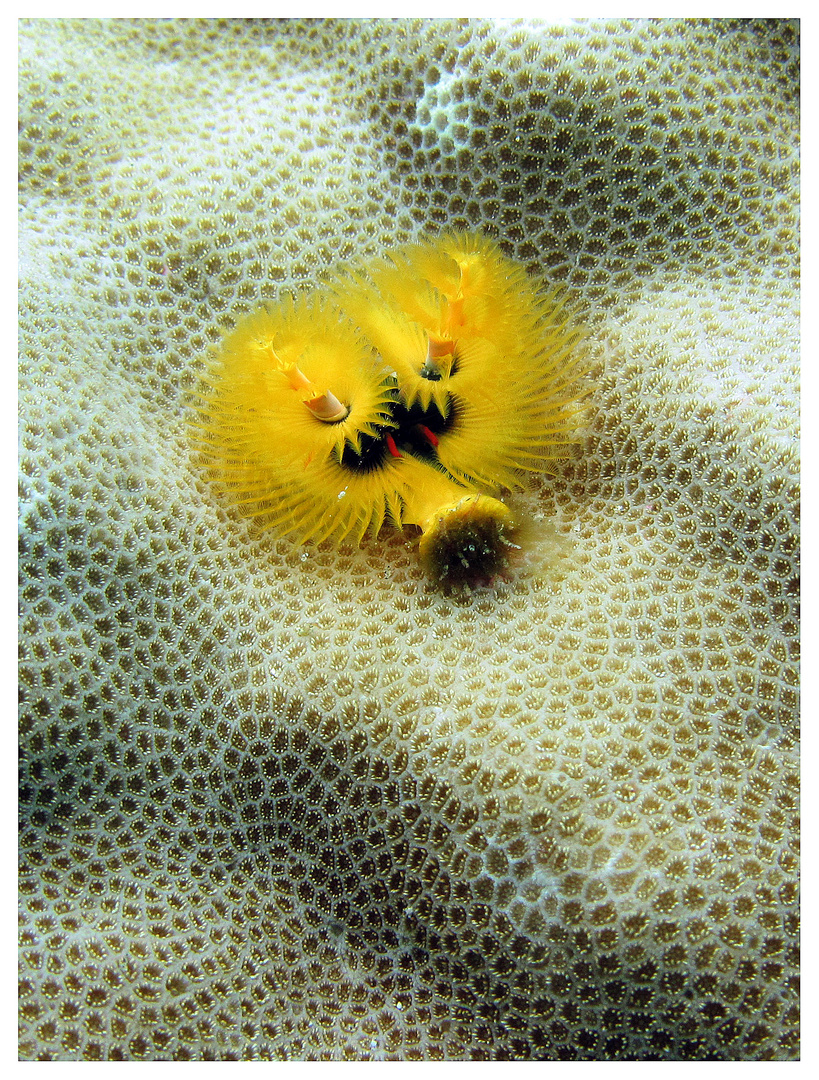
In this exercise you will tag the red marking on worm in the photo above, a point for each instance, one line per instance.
(393, 449)
(429, 435)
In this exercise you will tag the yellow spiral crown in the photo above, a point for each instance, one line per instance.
(413, 391)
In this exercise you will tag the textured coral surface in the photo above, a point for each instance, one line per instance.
(295, 802)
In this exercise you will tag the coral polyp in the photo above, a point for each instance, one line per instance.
(412, 391)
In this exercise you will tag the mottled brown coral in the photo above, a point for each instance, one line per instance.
(285, 802)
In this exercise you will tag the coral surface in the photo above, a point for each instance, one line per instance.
(294, 802)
